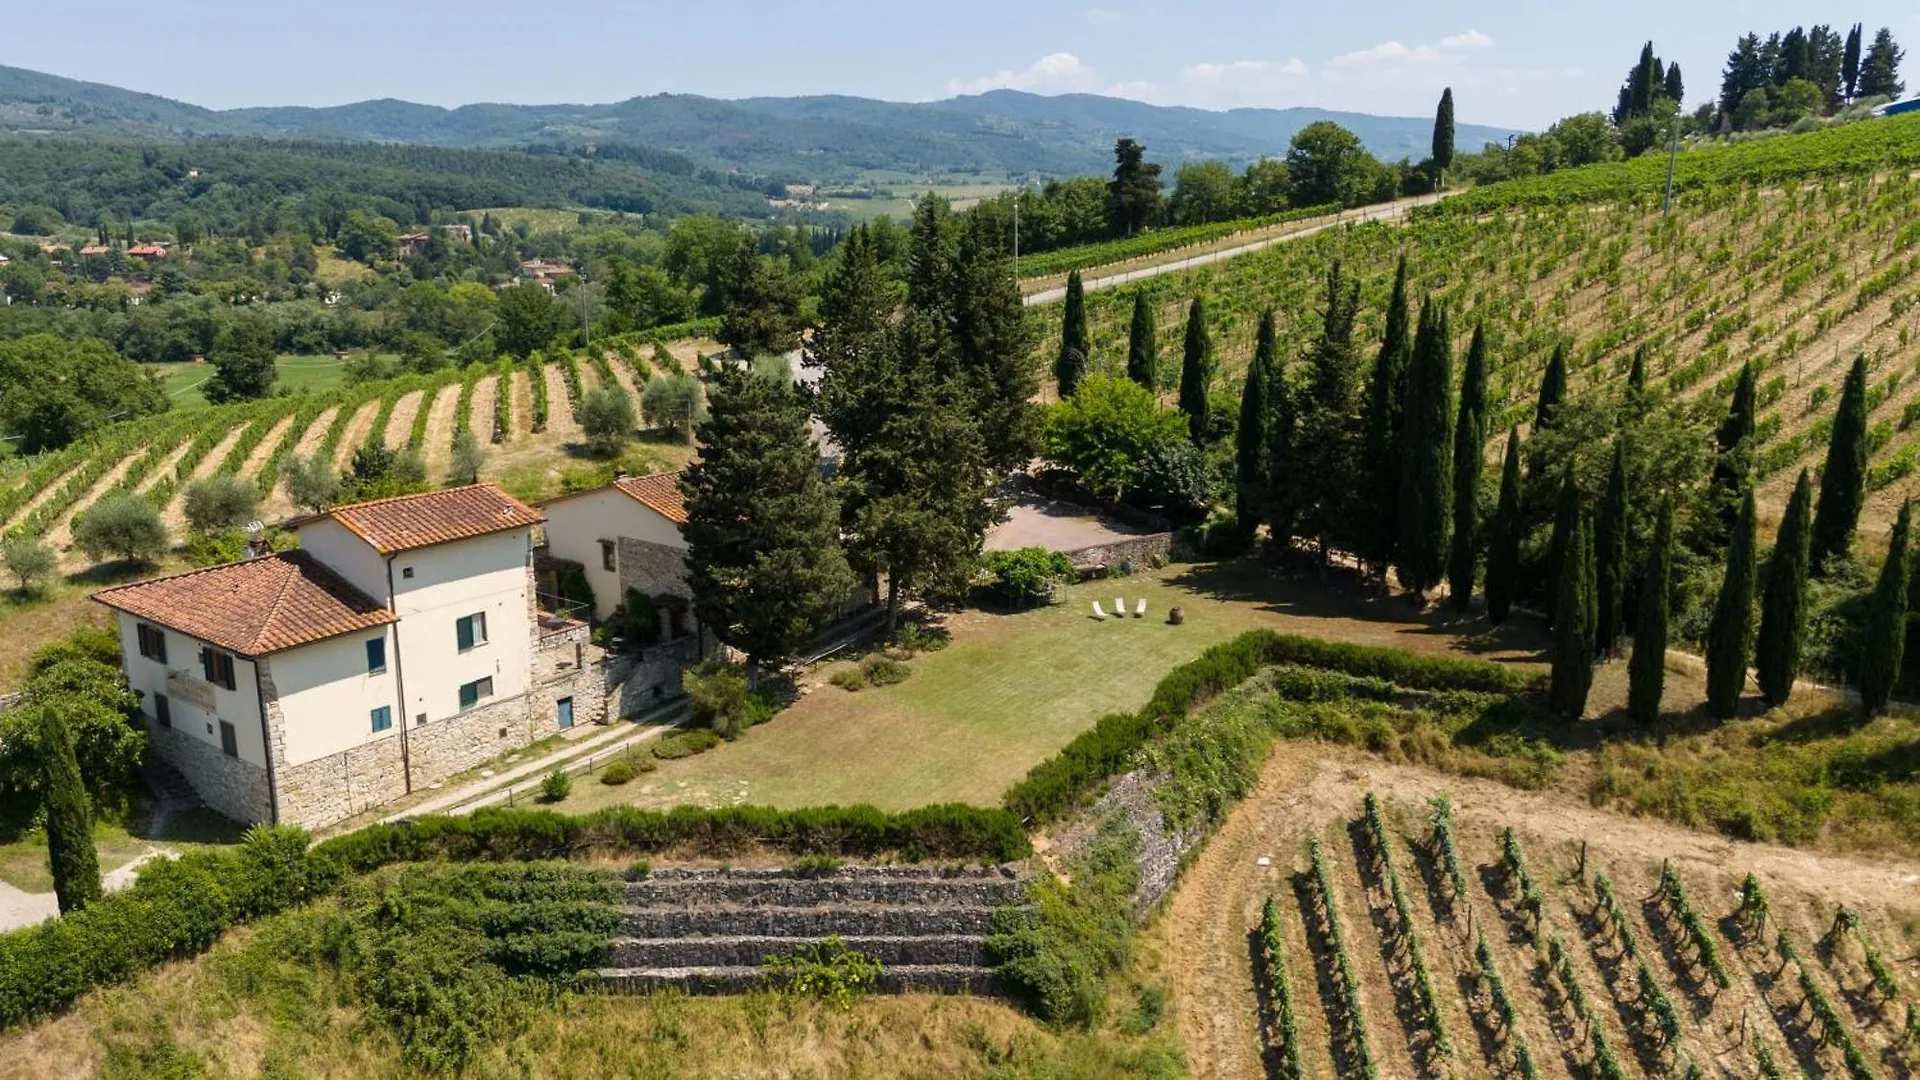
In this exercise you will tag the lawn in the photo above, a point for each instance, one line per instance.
(294, 374)
(1012, 689)
(23, 862)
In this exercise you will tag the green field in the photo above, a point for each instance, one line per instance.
(297, 374)
(1010, 690)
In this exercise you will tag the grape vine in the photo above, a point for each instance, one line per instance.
(1357, 1040)
(1273, 957)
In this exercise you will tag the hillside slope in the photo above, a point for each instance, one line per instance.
(819, 137)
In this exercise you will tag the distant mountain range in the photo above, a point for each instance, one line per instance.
(819, 138)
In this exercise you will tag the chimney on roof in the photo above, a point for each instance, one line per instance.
(257, 545)
(619, 473)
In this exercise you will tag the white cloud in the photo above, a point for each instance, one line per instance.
(1055, 73)
(1447, 50)
(1472, 39)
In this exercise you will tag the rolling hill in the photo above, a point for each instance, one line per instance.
(812, 138)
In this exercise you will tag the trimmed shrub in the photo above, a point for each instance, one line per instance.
(883, 670)
(557, 785)
(850, 679)
(685, 744)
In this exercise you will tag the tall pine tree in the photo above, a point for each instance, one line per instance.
(1567, 515)
(1572, 650)
(764, 560)
(1647, 671)
(1327, 449)
(1850, 64)
(1143, 345)
(1610, 554)
(1783, 607)
(1883, 644)
(1735, 439)
(1196, 371)
(69, 816)
(1250, 438)
(1071, 365)
(1731, 632)
(1469, 454)
(1843, 482)
(991, 342)
(1426, 472)
(1503, 552)
(1386, 397)
(1443, 135)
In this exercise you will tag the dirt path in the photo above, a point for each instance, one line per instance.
(60, 533)
(164, 469)
(438, 451)
(520, 406)
(562, 425)
(623, 375)
(276, 506)
(1306, 786)
(175, 515)
(480, 415)
(400, 421)
(257, 459)
(354, 435)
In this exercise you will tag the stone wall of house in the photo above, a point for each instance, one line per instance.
(1137, 548)
(233, 787)
(318, 793)
(439, 749)
(636, 682)
(567, 664)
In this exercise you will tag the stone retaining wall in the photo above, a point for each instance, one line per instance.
(804, 922)
(749, 951)
(318, 793)
(637, 682)
(1137, 548)
(233, 787)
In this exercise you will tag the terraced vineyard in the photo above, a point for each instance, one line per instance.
(157, 457)
(1798, 276)
(1399, 946)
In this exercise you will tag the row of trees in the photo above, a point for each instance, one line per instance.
(926, 386)
(1831, 69)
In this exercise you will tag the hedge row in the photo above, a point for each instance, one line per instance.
(948, 831)
(1063, 782)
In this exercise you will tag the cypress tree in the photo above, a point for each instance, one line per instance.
(1426, 471)
(1328, 449)
(1196, 372)
(1731, 632)
(1250, 439)
(1843, 480)
(1284, 489)
(70, 852)
(1553, 388)
(1637, 374)
(1610, 554)
(1503, 555)
(1443, 135)
(1572, 649)
(1071, 365)
(1783, 607)
(1735, 439)
(1386, 400)
(1566, 522)
(1850, 62)
(1647, 671)
(1885, 640)
(1469, 454)
(1143, 346)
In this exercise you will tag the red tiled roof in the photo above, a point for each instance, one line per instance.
(254, 607)
(436, 517)
(659, 493)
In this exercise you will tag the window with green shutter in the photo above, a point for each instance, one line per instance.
(470, 630)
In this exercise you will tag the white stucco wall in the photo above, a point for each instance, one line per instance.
(576, 525)
(485, 574)
(345, 554)
(239, 706)
(327, 697)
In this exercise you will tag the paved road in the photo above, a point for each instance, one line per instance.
(1383, 212)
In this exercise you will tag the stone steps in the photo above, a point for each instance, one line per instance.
(949, 979)
(940, 950)
(804, 922)
(711, 930)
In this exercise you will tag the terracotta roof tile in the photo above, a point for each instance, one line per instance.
(659, 493)
(436, 517)
(254, 607)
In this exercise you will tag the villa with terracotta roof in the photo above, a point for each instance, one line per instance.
(626, 535)
(400, 644)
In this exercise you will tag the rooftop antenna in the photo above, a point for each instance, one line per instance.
(257, 545)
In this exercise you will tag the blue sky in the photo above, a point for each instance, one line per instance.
(1521, 63)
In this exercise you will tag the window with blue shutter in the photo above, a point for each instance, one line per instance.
(382, 718)
(377, 657)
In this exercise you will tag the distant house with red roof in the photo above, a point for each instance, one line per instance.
(147, 251)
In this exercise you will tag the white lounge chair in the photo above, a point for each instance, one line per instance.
(1140, 609)
(1119, 607)
(1097, 613)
